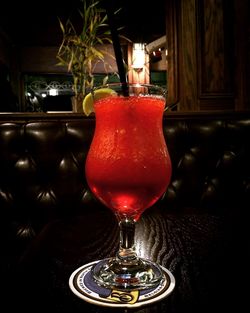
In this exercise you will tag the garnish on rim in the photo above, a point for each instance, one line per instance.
(88, 102)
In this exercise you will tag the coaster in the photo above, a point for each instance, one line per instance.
(84, 286)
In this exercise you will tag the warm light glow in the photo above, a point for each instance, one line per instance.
(138, 56)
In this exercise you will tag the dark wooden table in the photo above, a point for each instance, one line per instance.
(200, 249)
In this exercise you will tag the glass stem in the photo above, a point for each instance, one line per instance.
(127, 253)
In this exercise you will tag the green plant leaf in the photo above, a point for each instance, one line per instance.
(82, 49)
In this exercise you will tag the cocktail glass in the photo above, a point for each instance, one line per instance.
(128, 168)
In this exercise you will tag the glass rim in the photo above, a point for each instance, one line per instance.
(131, 85)
(161, 90)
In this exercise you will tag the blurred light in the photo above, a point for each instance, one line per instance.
(53, 92)
(138, 56)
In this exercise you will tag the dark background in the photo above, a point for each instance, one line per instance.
(36, 23)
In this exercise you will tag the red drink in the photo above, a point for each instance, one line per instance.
(128, 166)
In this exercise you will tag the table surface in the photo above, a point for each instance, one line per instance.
(196, 248)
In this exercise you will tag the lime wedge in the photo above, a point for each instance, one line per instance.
(88, 103)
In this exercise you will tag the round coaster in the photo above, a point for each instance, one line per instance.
(84, 286)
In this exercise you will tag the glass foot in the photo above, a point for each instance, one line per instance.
(113, 273)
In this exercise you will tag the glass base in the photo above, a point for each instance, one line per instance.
(139, 274)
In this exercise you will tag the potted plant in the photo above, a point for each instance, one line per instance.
(82, 47)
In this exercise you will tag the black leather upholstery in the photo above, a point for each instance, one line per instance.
(210, 156)
(42, 170)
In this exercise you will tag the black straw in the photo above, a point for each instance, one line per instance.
(117, 47)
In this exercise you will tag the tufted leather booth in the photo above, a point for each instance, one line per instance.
(42, 170)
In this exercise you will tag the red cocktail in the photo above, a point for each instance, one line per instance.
(128, 168)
